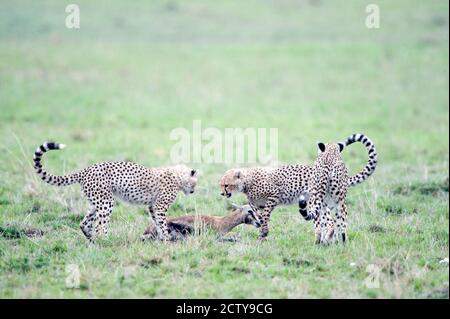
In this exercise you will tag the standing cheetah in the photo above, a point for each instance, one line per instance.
(102, 183)
(268, 187)
(328, 188)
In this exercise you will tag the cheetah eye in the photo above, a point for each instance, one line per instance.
(226, 185)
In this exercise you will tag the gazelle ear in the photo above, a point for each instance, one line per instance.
(237, 174)
(321, 146)
(341, 146)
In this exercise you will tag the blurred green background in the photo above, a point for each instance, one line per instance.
(135, 70)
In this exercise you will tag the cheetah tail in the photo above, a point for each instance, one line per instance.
(49, 178)
(372, 162)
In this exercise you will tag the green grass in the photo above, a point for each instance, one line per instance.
(115, 88)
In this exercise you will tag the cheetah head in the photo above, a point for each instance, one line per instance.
(330, 148)
(232, 181)
(188, 179)
(250, 217)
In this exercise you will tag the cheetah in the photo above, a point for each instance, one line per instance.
(269, 187)
(328, 188)
(180, 227)
(103, 183)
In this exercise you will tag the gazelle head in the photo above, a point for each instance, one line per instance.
(249, 216)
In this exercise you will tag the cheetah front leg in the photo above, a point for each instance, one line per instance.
(150, 235)
(160, 209)
(161, 225)
(270, 205)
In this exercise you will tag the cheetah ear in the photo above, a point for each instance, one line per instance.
(193, 172)
(237, 174)
(321, 146)
(341, 146)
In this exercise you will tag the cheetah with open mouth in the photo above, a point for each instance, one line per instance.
(323, 186)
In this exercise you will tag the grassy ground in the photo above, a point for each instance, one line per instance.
(115, 88)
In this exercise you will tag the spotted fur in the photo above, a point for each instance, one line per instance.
(103, 183)
(267, 188)
(328, 188)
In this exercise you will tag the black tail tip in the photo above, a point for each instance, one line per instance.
(52, 145)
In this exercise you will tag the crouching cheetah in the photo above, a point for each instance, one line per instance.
(268, 187)
(102, 183)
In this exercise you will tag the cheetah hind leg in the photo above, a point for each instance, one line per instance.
(317, 231)
(265, 216)
(324, 227)
(103, 215)
(151, 233)
(340, 234)
(161, 226)
(87, 224)
(329, 230)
